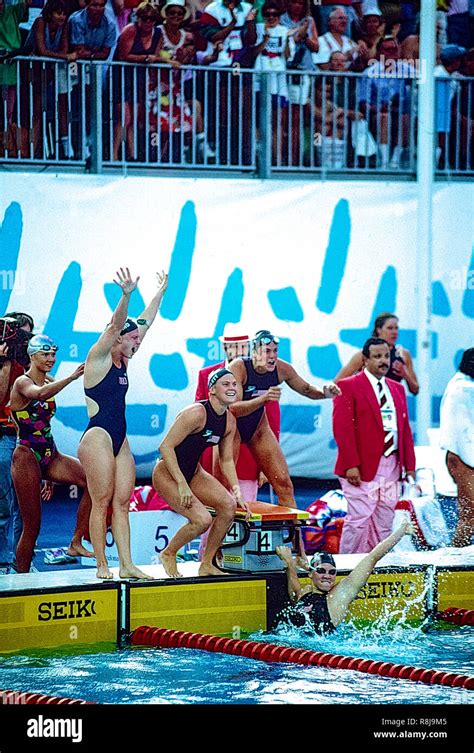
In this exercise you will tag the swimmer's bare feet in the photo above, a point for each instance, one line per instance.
(75, 549)
(104, 573)
(208, 569)
(133, 572)
(169, 563)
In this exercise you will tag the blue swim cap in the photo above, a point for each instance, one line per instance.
(41, 344)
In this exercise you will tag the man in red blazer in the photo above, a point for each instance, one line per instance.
(375, 448)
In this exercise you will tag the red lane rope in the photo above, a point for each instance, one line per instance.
(15, 697)
(150, 636)
(458, 616)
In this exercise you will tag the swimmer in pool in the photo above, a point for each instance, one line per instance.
(324, 602)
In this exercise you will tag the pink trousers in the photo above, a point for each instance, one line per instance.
(370, 508)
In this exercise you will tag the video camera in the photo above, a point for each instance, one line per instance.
(8, 330)
(14, 338)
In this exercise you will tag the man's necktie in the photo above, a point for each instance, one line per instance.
(388, 444)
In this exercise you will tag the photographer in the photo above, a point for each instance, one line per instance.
(13, 341)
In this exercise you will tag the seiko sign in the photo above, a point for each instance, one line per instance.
(66, 610)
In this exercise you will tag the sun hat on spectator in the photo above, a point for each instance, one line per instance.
(234, 333)
(180, 3)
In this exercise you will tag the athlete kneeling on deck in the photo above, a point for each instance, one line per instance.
(323, 603)
(180, 479)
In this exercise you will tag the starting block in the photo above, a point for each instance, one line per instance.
(249, 545)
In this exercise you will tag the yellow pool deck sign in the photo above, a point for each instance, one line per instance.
(58, 618)
(68, 609)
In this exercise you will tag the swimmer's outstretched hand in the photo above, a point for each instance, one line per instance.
(125, 281)
(284, 553)
(77, 373)
(162, 280)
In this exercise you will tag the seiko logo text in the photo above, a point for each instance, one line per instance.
(66, 610)
(385, 590)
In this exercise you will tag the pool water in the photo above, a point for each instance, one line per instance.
(176, 676)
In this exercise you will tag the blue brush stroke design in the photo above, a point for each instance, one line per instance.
(468, 297)
(441, 305)
(169, 371)
(435, 408)
(230, 311)
(148, 457)
(181, 263)
(386, 300)
(332, 444)
(142, 420)
(285, 304)
(434, 345)
(335, 259)
(411, 404)
(324, 361)
(457, 358)
(146, 420)
(60, 323)
(299, 419)
(10, 241)
(113, 295)
(284, 349)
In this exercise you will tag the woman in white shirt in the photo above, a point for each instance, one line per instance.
(457, 437)
(272, 50)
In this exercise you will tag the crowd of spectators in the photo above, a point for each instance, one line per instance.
(207, 114)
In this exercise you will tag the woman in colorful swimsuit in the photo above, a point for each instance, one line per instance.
(104, 450)
(36, 456)
(401, 364)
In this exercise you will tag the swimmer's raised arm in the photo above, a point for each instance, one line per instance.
(109, 337)
(148, 316)
(347, 589)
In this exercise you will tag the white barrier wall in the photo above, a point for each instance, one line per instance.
(314, 262)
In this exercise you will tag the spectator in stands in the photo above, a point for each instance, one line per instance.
(305, 42)
(335, 40)
(459, 23)
(371, 31)
(93, 36)
(466, 107)
(139, 42)
(49, 39)
(272, 50)
(178, 48)
(231, 22)
(446, 89)
(334, 111)
(352, 8)
(11, 16)
(457, 437)
(385, 96)
(401, 363)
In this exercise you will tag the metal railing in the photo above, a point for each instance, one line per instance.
(227, 119)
